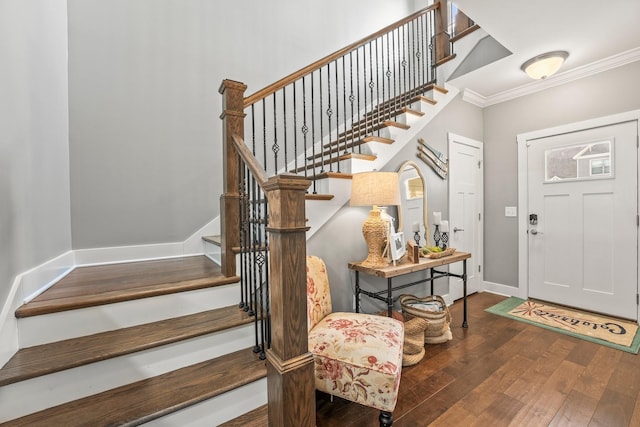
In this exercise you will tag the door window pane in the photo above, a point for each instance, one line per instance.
(578, 162)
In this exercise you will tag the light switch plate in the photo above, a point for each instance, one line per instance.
(510, 211)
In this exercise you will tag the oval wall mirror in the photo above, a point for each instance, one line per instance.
(412, 212)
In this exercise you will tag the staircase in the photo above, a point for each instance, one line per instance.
(159, 342)
(163, 342)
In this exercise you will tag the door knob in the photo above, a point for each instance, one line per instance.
(457, 229)
(534, 231)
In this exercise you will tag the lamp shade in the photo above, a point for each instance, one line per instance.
(375, 188)
(545, 65)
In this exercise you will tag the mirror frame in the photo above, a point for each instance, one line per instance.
(402, 167)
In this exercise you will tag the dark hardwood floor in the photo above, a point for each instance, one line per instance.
(500, 372)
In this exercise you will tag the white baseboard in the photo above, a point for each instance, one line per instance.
(504, 290)
(24, 288)
(193, 245)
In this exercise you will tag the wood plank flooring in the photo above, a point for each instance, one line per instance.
(105, 284)
(500, 372)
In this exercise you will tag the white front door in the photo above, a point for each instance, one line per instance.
(465, 211)
(582, 219)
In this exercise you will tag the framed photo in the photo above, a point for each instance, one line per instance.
(397, 246)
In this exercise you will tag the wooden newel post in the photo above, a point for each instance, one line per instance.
(233, 124)
(441, 41)
(291, 384)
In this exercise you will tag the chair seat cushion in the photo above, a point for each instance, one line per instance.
(358, 357)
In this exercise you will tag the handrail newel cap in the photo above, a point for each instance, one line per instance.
(228, 83)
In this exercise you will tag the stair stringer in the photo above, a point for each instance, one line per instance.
(320, 212)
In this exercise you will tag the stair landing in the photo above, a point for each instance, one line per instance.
(106, 284)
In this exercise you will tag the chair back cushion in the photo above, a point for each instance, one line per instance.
(318, 292)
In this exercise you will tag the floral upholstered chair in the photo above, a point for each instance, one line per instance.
(357, 356)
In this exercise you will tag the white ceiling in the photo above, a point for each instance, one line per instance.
(598, 35)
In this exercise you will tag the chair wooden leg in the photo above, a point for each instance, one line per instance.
(386, 419)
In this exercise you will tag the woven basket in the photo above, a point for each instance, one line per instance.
(438, 320)
(444, 253)
(414, 335)
(412, 359)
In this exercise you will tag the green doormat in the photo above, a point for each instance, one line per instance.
(609, 331)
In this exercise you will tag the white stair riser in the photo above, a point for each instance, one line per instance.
(52, 327)
(219, 409)
(213, 252)
(33, 395)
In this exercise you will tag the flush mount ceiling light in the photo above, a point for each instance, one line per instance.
(545, 65)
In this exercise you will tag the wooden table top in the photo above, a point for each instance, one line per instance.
(404, 267)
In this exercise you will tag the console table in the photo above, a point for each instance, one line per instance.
(391, 272)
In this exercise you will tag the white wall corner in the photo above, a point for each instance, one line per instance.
(25, 287)
(194, 244)
(9, 323)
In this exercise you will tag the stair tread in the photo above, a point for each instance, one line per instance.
(323, 175)
(319, 196)
(216, 240)
(148, 399)
(53, 357)
(259, 417)
(105, 284)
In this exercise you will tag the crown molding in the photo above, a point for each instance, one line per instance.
(578, 73)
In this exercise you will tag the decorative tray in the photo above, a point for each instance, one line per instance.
(436, 255)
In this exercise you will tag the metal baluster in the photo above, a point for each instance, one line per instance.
(371, 85)
(241, 209)
(264, 133)
(295, 131)
(321, 126)
(404, 64)
(414, 55)
(275, 147)
(261, 283)
(313, 132)
(359, 124)
(344, 104)
(434, 50)
(388, 75)
(379, 106)
(329, 114)
(266, 320)
(284, 127)
(351, 100)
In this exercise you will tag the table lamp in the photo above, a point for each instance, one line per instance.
(373, 189)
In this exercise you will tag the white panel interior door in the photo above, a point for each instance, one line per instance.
(583, 191)
(465, 210)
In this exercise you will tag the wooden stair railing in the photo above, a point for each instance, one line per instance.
(344, 98)
(304, 122)
(291, 387)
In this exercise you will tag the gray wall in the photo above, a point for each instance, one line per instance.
(340, 239)
(610, 92)
(34, 154)
(144, 103)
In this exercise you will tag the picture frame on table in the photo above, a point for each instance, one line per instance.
(397, 245)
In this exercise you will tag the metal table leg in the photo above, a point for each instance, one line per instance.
(357, 296)
(464, 288)
(389, 298)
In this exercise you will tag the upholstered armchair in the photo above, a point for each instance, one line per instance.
(357, 356)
